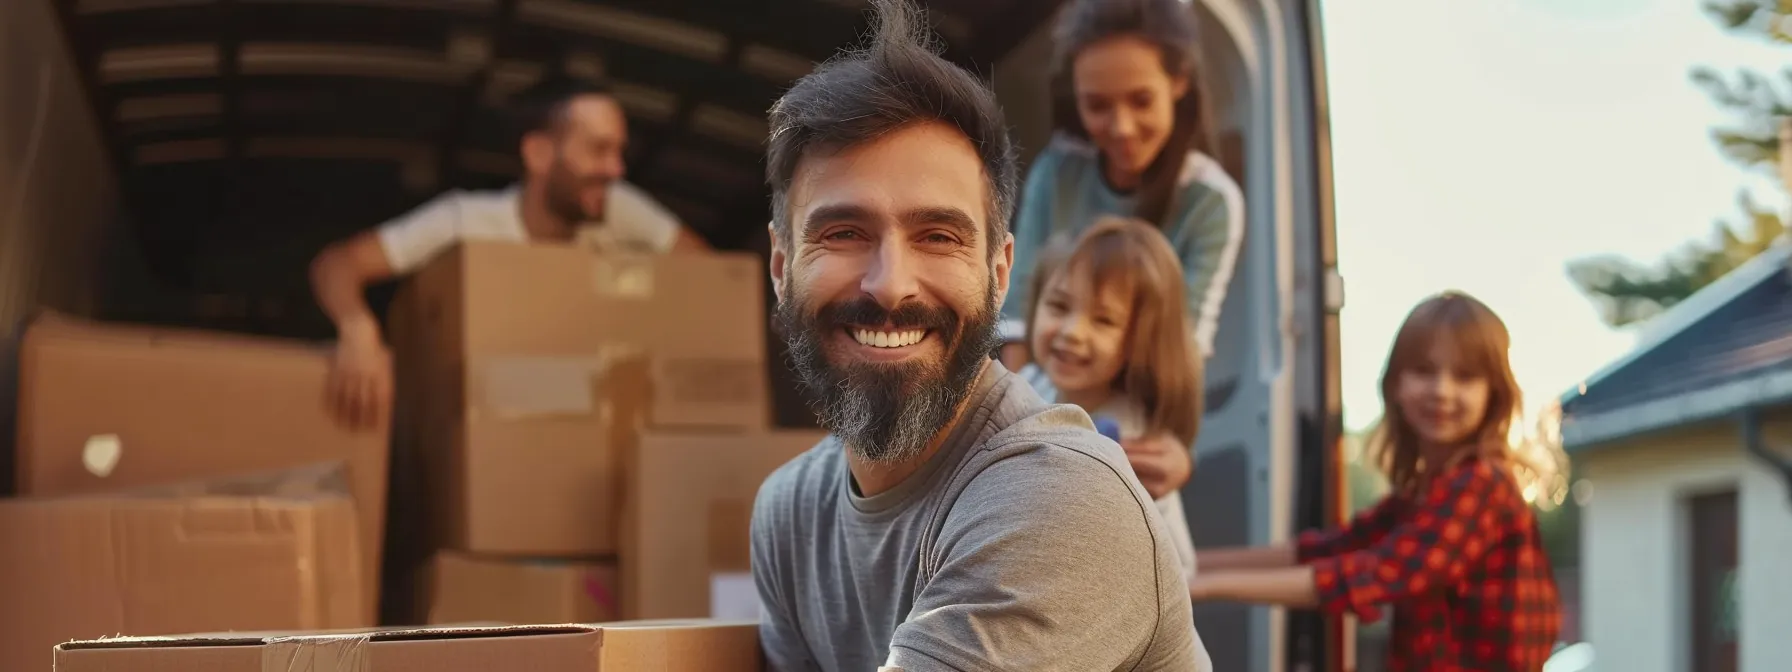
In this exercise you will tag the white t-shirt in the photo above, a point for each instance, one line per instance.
(633, 222)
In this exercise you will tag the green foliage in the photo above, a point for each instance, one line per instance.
(1628, 292)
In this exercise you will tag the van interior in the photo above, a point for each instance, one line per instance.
(178, 162)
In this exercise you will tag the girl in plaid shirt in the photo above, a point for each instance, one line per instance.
(1454, 549)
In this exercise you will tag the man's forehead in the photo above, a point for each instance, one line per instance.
(917, 173)
(594, 113)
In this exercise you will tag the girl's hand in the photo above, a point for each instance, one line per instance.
(1199, 589)
(1161, 462)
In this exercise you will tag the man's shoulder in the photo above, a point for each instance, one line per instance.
(482, 213)
(633, 206)
(804, 478)
(1054, 452)
(505, 198)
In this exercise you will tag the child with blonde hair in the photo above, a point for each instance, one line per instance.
(1108, 330)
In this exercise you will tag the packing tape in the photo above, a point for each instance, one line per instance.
(316, 653)
(623, 277)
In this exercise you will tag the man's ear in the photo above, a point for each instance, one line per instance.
(1003, 261)
(537, 151)
(779, 256)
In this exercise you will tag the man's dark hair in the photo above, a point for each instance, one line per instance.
(542, 106)
(897, 80)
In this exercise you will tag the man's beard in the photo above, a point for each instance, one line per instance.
(565, 197)
(887, 412)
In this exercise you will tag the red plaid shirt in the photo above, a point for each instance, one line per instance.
(1462, 566)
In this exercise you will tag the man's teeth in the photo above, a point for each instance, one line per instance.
(888, 339)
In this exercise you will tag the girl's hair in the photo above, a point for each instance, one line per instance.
(1170, 26)
(1162, 372)
(1481, 341)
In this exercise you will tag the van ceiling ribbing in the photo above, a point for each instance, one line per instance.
(417, 81)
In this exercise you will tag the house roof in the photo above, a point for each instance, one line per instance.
(1726, 348)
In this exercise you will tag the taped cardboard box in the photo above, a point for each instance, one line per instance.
(104, 407)
(465, 588)
(558, 648)
(532, 468)
(699, 317)
(687, 518)
(682, 646)
(514, 368)
(282, 555)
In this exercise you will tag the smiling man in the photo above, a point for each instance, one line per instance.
(952, 520)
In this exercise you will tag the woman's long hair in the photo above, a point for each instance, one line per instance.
(1481, 340)
(1163, 373)
(1170, 26)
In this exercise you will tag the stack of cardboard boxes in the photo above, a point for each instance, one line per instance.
(587, 435)
(594, 429)
(175, 482)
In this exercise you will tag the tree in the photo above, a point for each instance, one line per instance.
(1627, 292)
(1754, 97)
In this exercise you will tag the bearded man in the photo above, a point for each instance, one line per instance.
(572, 135)
(952, 520)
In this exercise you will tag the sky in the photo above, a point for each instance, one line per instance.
(1481, 146)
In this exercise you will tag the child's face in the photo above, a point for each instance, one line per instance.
(1079, 332)
(1440, 399)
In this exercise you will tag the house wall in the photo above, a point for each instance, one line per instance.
(1635, 557)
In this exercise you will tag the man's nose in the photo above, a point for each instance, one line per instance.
(891, 278)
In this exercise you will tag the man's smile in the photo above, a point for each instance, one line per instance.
(886, 343)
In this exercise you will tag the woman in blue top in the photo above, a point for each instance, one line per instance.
(1132, 140)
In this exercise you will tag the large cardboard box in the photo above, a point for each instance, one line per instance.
(687, 518)
(466, 588)
(527, 367)
(618, 647)
(104, 407)
(158, 563)
(690, 645)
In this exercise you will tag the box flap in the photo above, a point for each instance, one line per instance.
(361, 634)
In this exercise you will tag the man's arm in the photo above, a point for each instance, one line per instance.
(1046, 562)
(359, 392)
(340, 275)
(779, 638)
(635, 210)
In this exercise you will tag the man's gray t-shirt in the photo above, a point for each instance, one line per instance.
(1025, 543)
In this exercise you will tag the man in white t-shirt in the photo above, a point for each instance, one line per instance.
(572, 137)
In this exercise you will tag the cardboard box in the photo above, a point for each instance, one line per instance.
(618, 647)
(146, 563)
(699, 318)
(687, 518)
(690, 645)
(527, 369)
(466, 588)
(106, 407)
